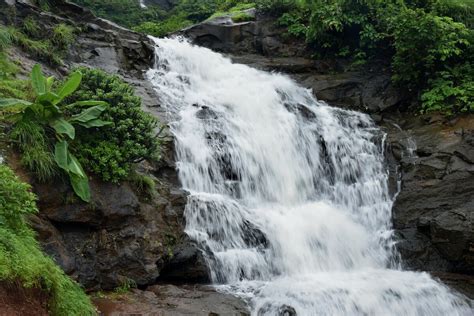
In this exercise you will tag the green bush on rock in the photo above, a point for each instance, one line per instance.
(21, 259)
(111, 151)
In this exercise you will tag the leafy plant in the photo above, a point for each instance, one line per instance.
(49, 113)
(425, 44)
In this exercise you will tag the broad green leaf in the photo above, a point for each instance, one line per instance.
(75, 167)
(70, 85)
(13, 103)
(61, 154)
(88, 114)
(49, 83)
(81, 187)
(95, 123)
(86, 104)
(48, 97)
(38, 81)
(63, 127)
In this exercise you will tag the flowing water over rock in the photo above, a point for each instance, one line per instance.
(289, 197)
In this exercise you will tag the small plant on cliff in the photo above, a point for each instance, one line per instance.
(45, 122)
(21, 259)
(112, 151)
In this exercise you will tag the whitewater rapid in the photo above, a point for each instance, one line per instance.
(289, 197)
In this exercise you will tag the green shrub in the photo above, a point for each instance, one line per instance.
(21, 258)
(425, 44)
(450, 91)
(112, 151)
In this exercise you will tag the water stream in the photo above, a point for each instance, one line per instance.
(289, 196)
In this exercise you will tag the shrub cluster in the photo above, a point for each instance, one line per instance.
(111, 151)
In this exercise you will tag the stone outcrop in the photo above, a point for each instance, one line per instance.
(434, 212)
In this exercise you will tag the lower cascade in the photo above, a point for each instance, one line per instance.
(289, 197)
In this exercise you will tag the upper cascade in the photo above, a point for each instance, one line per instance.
(289, 196)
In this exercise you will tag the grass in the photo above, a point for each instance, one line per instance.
(46, 45)
(21, 257)
(143, 184)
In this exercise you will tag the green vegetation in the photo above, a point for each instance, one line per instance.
(49, 46)
(47, 113)
(169, 25)
(21, 258)
(112, 151)
(143, 184)
(430, 43)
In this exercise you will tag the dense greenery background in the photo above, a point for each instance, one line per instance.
(429, 42)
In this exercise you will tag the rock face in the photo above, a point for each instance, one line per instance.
(434, 212)
(433, 159)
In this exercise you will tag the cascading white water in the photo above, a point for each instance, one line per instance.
(289, 196)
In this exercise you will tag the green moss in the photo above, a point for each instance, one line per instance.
(21, 258)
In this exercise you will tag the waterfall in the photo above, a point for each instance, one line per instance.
(288, 196)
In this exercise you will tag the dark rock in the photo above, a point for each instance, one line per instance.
(286, 310)
(262, 36)
(434, 212)
(187, 264)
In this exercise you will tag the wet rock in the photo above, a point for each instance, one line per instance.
(187, 264)
(173, 301)
(434, 211)
(286, 310)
